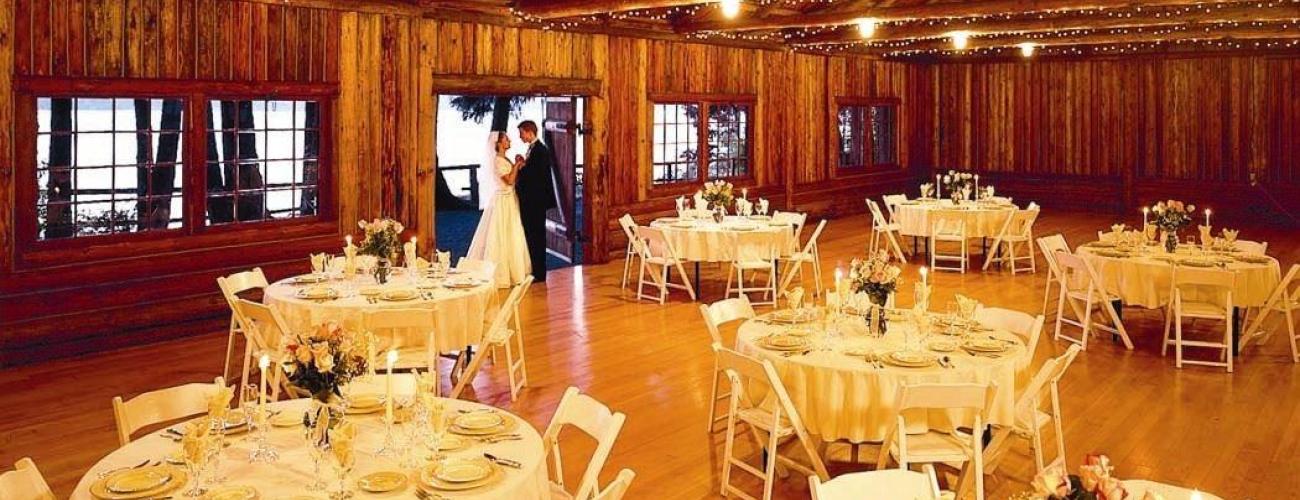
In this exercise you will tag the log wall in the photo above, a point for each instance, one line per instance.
(1115, 135)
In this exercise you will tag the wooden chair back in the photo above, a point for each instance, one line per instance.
(25, 482)
(163, 405)
(594, 419)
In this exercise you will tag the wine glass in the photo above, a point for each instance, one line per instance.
(196, 452)
(313, 431)
(344, 458)
(437, 426)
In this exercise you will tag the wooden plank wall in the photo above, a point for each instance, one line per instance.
(1119, 134)
(383, 134)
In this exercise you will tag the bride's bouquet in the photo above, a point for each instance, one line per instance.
(382, 238)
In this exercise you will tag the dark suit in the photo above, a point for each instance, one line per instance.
(536, 191)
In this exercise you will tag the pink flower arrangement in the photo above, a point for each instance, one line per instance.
(1094, 482)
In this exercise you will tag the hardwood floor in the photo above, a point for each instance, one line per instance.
(1231, 434)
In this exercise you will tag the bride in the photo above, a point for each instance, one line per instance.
(500, 236)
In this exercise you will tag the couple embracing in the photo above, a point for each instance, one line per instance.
(512, 231)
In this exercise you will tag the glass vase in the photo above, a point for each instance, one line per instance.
(383, 269)
(1171, 241)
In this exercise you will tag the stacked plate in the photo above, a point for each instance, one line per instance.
(481, 423)
(232, 493)
(985, 345)
(1252, 259)
(1197, 263)
(785, 343)
(459, 474)
(318, 293)
(909, 359)
(399, 294)
(793, 316)
(143, 482)
(462, 283)
(382, 482)
(310, 278)
(364, 403)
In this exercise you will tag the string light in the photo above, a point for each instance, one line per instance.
(1027, 49)
(730, 8)
(867, 27)
(960, 39)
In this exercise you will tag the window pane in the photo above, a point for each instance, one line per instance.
(264, 163)
(884, 150)
(676, 143)
(728, 140)
(852, 136)
(107, 166)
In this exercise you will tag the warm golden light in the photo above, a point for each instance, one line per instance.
(730, 8)
(1027, 49)
(867, 27)
(959, 39)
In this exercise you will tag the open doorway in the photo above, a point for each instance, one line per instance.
(464, 123)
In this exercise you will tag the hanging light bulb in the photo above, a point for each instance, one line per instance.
(730, 8)
(867, 27)
(959, 39)
(1027, 49)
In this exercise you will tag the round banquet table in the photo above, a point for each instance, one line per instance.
(841, 396)
(1138, 488)
(459, 313)
(983, 219)
(703, 240)
(1142, 276)
(289, 476)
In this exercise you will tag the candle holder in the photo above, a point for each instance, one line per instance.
(264, 453)
(389, 448)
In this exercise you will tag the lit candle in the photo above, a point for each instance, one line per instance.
(1145, 211)
(925, 275)
(938, 187)
(977, 185)
(1196, 495)
(388, 386)
(348, 239)
(1207, 217)
(839, 276)
(744, 193)
(263, 363)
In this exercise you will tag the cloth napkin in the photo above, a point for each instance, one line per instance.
(681, 204)
(219, 402)
(318, 261)
(794, 297)
(762, 206)
(1149, 231)
(1206, 238)
(1117, 228)
(1230, 235)
(964, 302)
(194, 443)
(926, 189)
(700, 204)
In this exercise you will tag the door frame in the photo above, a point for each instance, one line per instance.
(593, 126)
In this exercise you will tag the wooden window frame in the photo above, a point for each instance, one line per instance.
(705, 101)
(868, 140)
(194, 233)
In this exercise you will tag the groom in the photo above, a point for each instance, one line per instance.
(536, 191)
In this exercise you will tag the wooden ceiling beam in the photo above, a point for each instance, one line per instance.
(1242, 13)
(1191, 33)
(922, 11)
(555, 9)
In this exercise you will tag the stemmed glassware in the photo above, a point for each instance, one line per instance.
(437, 427)
(196, 452)
(344, 458)
(317, 445)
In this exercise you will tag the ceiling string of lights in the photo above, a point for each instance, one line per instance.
(965, 28)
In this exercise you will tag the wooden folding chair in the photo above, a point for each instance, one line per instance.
(500, 334)
(400, 324)
(594, 419)
(715, 315)
(1049, 245)
(25, 482)
(810, 254)
(633, 250)
(658, 252)
(1080, 284)
(883, 230)
(163, 405)
(1200, 294)
(935, 446)
(759, 399)
(1284, 300)
(1016, 231)
(754, 253)
(231, 286)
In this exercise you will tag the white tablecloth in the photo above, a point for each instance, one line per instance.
(843, 397)
(1143, 279)
(292, 473)
(708, 241)
(1137, 488)
(459, 316)
(983, 220)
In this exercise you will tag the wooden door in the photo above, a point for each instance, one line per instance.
(561, 133)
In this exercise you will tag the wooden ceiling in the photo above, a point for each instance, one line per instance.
(924, 28)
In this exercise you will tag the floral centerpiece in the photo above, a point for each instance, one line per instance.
(955, 183)
(718, 194)
(325, 360)
(1172, 216)
(383, 237)
(1094, 482)
(875, 276)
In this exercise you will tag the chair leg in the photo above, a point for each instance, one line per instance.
(729, 448)
(1164, 340)
(1227, 341)
(769, 469)
(1290, 333)
(1036, 441)
(713, 397)
(1178, 340)
(230, 347)
(627, 266)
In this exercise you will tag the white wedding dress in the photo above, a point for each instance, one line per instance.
(500, 235)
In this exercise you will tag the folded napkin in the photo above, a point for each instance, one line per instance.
(1149, 230)
(421, 264)
(681, 204)
(194, 444)
(219, 403)
(1206, 238)
(700, 204)
(318, 262)
(794, 297)
(1117, 228)
(965, 303)
(762, 206)
(926, 189)
(341, 442)
(1230, 235)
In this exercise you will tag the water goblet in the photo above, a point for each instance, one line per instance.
(343, 461)
(316, 446)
